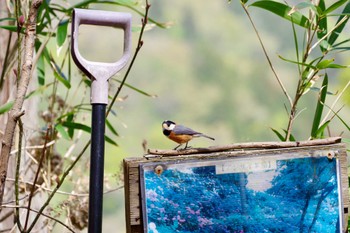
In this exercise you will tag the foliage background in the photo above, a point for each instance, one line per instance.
(206, 71)
(209, 73)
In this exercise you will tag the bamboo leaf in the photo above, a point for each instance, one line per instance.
(62, 32)
(334, 35)
(324, 64)
(111, 128)
(319, 107)
(6, 107)
(341, 119)
(291, 137)
(8, 19)
(41, 70)
(322, 26)
(344, 123)
(320, 130)
(73, 126)
(70, 118)
(110, 141)
(336, 66)
(11, 28)
(59, 75)
(334, 6)
(299, 63)
(283, 11)
(62, 131)
(136, 89)
(278, 134)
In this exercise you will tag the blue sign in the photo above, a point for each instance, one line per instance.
(271, 193)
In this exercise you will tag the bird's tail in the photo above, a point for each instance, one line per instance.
(206, 136)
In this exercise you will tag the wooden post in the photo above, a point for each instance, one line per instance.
(133, 205)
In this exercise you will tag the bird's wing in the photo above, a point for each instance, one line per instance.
(180, 129)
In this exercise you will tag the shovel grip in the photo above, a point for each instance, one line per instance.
(100, 72)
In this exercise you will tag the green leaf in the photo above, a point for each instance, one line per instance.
(319, 107)
(111, 128)
(136, 89)
(322, 26)
(62, 131)
(85, 128)
(59, 75)
(41, 70)
(334, 6)
(341, 119)
(70, 118)
(279, 135)
(299, 63)
(11, 28)
(62, 32)
(336, 32)
(320, 130)
(283, 11)
(74, 125)
(344, 123)
(337, 66)
(6, 107)
(8, 19)
(291, 137)
(324, 64)
(110, 141)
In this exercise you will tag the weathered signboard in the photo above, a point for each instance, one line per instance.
(293, 189)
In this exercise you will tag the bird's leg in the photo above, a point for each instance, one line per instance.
(186, 146)
(177, 147)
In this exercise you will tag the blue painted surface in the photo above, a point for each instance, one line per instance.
(299, 195)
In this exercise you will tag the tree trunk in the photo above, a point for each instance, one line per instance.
(8, 89)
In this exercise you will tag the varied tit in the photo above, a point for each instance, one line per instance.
(180, 134)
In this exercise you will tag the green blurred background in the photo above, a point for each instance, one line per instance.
(206, 71)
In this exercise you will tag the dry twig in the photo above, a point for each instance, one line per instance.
(247, 145)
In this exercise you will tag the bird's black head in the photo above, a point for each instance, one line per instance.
(168, 126)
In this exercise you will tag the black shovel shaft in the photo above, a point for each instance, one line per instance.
(96, 167)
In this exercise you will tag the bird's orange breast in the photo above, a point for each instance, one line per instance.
(180, 138)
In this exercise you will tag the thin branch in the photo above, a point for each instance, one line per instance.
(334, 103)
(34, 147)
(67, 171)
(248, 145)
(138, 48)
(18, 165)
(65, 174)
(38, 212)
(62, 192)
(267, 56)
(43, 155)
(329, 32)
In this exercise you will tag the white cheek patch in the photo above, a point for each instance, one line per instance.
(165, 126)
(171, 127)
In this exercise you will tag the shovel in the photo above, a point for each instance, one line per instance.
(99, 73)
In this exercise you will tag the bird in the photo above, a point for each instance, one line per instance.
(180, 134)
